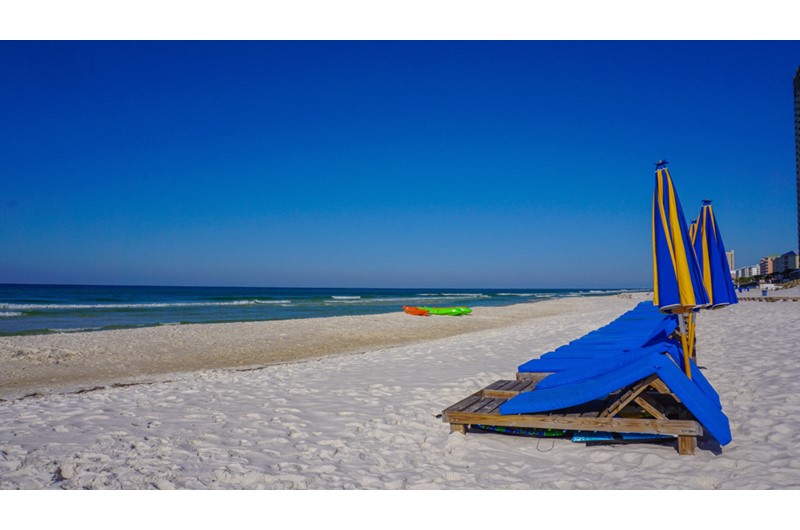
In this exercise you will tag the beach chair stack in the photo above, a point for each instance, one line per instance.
(622, 382)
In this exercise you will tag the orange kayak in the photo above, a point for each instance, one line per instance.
(415, 311)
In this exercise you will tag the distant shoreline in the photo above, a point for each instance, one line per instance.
(72, 361)
(47, 309)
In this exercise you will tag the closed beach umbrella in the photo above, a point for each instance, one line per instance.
(710, 252)
(714, 266)
(677, 281)
(693, 231)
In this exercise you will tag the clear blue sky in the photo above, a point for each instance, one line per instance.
(384, 164)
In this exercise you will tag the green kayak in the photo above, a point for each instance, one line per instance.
(451, 311)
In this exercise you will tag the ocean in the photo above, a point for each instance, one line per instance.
(34, 309)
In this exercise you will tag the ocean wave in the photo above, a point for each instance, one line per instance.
(454, 295)
(403, 299)
(346, 297)
(36, 307)
(10, 314)
(74, 330)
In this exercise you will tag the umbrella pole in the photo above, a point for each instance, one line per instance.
(684, 344)
(692, 338)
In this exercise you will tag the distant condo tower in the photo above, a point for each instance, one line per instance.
(797, 146)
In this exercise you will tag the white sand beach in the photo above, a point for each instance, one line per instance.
(370, 420)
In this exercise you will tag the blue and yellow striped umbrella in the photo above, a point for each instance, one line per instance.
(714, 266)
(677, 281)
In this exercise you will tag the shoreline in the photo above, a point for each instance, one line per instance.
(72, 362)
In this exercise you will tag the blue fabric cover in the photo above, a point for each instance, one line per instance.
(642, 326)
(598, 367)
(703, 384)
(704, 409)
(560, 397)
(557, 364)
(600, 351)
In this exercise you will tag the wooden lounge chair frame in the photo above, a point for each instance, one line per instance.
(645, 407)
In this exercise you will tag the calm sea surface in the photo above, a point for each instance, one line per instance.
(29, 309)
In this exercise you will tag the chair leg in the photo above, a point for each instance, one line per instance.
(687, 445)
(458, 427)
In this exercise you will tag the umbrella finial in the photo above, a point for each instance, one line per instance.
(661, 164)
(706, 202)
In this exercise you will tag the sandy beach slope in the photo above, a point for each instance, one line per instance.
(75, 361)
(370, 420)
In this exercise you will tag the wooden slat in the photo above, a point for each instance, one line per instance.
(659, 386)
(517, 386)
(507, 388)
(478, 405)
(628, 396)
(507, 394)
(527, 386)
(461, 405)
(530, 376)
(642, 401)
(497, 385)
(511, 385)
(654, 426)
(491, 406)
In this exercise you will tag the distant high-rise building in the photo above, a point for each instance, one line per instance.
(766, 264)
(786, 262)
(729, 255)
(797, 145)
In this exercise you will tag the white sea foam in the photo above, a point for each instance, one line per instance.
(10, 314)
(35, 307)
(74, 330)
(346, 297)
(452, 296)
(405, 300)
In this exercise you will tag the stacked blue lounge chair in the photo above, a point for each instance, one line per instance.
(621, 381)
(635, 346)
(639, 328)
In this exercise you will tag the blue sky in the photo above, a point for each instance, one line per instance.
(384, 164)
